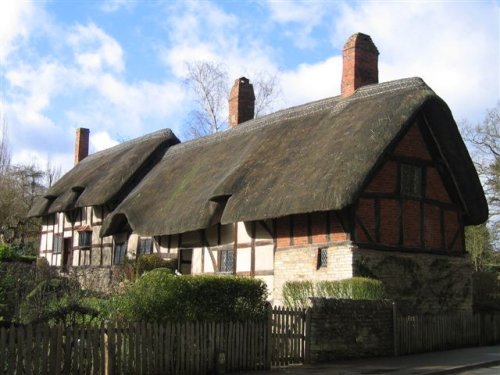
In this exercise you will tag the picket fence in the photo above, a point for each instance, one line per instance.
(173, 348)
(207, 347)
(417, 334)
(289, 336)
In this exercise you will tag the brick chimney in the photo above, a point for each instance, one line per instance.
(81, 144)
(241, 102)
(360, 63)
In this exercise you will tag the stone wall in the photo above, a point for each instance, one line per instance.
(300, 263)
(94, 278)
(350, 329)
(420, 283)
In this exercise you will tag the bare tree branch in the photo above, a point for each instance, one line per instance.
(4, 145)
(484, 142)
(209, 83)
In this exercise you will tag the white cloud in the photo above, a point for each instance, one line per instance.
(300, 18)
(202, 31)
(90, 90)
(312, 81)
(454, 47)
(16, 22)
(101, 140)
(110, 6)
(94, 49)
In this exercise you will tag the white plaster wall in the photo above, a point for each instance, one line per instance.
(243, 260)
(264, 258)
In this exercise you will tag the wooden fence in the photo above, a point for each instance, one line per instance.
(417, 334)
(173, 348)
(289, 336)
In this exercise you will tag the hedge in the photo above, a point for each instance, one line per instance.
(159, 296)
(296, 294)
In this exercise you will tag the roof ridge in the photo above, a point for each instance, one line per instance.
(336, 103)
(166, 133)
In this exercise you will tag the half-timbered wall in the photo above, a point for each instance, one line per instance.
(392, 214)
(66, 228)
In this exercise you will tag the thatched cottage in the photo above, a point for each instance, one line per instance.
(375, 182)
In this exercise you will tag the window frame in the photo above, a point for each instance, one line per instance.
(142, 250)
(411, 180)
(122, 245)
(57, 243)
(223, 265)
(85, 239)
(322, 258)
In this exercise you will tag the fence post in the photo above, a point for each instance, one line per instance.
(395, 331)
(269, 333)
(106, 350)
(307, 331)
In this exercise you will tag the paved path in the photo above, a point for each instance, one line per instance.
(445, 362)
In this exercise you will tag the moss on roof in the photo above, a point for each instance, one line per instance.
(105, 177)
(313, 157)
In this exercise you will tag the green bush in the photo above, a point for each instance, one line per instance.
(61, 300)
(150, 262)
(16, 281)
(6, 253)
(159, 296)
(296, 294)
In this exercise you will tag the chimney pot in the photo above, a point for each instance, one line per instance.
(360, 63)
(241, 102)
(81, 144)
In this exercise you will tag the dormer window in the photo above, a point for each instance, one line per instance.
(411, 180)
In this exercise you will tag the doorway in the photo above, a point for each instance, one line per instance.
(67, 254)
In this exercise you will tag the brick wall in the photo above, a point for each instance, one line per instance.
(317, 228)
(350, 329)
(387, 217)
(419, 283)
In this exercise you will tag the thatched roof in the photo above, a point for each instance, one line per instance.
(106, 177)
(313, 157)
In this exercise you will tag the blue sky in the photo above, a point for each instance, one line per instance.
(118, 67)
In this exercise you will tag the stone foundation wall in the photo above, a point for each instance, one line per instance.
(300, 263)
(350, 329)
(419, 283)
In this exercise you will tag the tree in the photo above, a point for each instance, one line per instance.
(484, 142)
(210, 85)
(4, 146)
(478, 245)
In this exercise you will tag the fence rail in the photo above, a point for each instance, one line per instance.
(416, 334)
(200, 347)
(173, 348)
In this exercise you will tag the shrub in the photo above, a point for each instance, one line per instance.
(159, 296)
(150, 262)
(6, 253)
(296, 294)
(61, 300)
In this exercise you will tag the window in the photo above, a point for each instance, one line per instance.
(57, 243)
(145, 246)
(411, 180)
(120, 252)
(85, 239)
(322, 257)
(226, 261)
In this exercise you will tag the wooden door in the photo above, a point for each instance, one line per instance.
(67, 254)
